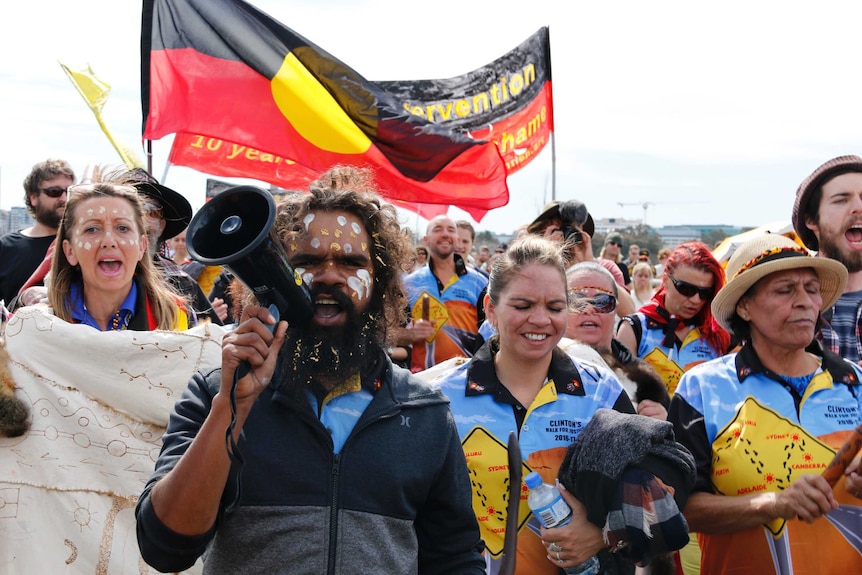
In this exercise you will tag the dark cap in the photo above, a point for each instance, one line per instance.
(615, 237)
(176, 210)
(570, 212)
(813, 183)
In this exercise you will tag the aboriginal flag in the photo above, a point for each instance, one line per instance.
(224, 69)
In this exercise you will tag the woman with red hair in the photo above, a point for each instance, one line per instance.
(675, 330)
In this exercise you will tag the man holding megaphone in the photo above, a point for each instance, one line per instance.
(323, 457)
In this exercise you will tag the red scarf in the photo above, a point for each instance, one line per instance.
(654, 309)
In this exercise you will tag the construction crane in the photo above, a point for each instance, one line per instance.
(645, 206)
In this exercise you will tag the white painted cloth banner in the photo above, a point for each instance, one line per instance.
(99, 402)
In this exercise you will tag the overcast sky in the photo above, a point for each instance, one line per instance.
(708, 114)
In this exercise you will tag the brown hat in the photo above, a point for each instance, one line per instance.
(569, 212)
(766, 254)
(814, 182)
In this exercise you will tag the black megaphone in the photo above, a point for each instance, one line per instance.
(234, 230)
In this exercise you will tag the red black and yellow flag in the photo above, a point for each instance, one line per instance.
(224, 69)
(509, 101)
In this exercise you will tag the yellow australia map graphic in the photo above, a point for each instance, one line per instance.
(487, 460)
(761, 451)
(669, 370)
(437, 313)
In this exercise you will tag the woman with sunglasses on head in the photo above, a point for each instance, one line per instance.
(521, 381)
(592, 302)
(675, 330)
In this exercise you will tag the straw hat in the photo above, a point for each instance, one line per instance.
(764, 255)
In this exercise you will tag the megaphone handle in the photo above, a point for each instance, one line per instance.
(244, 367)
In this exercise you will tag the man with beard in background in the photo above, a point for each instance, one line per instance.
(324, 458)
(21, 252)
(827, 217)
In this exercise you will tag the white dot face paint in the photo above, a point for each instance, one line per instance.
(308, 278)
(307, 220)
(88, 246)
(315, 243)
(342, 221)
(360, 284)
(348, 249)
(355, 227)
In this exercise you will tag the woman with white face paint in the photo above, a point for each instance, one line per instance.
(100, 276)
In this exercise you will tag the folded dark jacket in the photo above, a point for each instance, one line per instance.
(634, 479)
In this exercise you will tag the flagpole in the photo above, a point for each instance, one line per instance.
(165, 174)
(149, 156)
(553, 167)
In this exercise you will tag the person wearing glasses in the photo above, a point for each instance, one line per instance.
(167, 213)
(593, 293)
(593, 297)
(22, 251)
(613, 251)
(675, 330)
(521, 381)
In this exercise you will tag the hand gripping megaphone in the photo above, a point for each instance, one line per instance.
(234, 230)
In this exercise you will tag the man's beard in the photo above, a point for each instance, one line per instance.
(316, 355)
(831, 249)
(48, 217)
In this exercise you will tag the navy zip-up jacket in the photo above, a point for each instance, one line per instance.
(396, 499)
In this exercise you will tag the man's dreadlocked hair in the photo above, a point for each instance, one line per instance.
(350, 189)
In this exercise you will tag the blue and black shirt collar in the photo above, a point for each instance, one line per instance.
(748, 363)
(482, 374)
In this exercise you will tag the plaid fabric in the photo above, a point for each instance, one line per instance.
(645, 517)
(633, 478)
(830, 338)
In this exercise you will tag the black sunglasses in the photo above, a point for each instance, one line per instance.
(616, 243)
(53, 192)
(602, 303)
(686, 289)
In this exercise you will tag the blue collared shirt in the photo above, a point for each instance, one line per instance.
(81, 315)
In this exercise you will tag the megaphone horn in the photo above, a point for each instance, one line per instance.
(234, 230)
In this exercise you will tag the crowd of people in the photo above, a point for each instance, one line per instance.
(688, 411)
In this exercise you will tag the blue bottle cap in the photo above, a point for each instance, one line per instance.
(533, 480)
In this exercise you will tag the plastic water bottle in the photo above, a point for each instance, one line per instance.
(551, 509)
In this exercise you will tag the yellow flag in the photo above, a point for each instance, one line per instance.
(95, 93)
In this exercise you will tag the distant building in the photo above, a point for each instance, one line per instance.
(15, 219)
(672, 236)
(605, 225)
